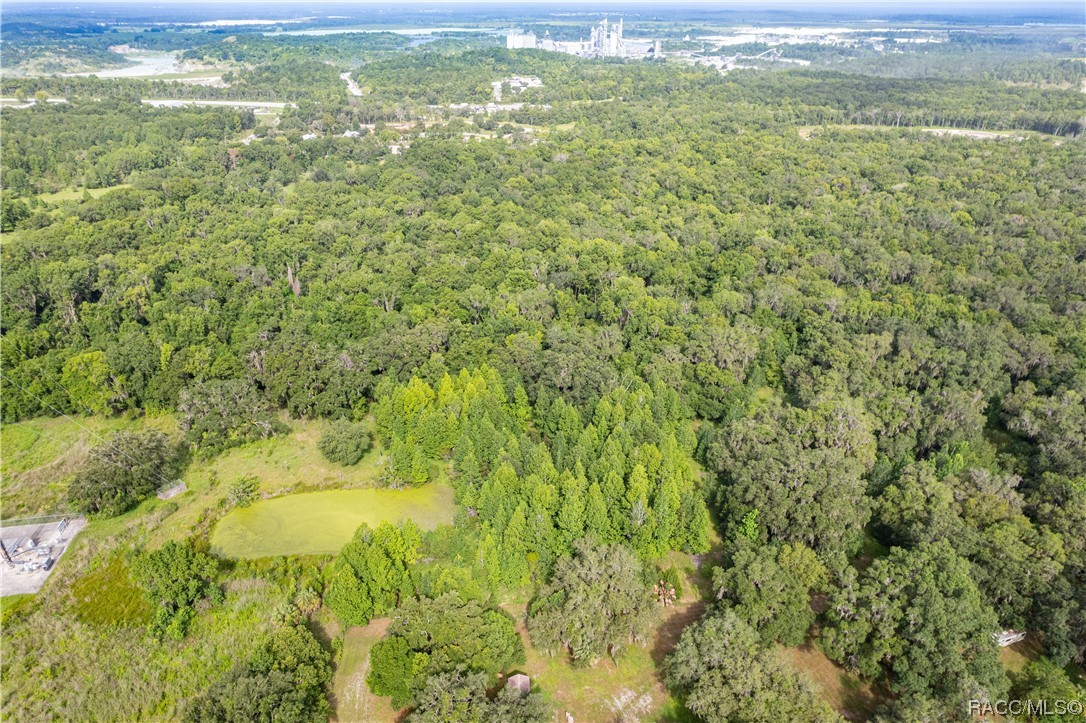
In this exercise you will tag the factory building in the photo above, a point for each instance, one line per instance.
(605, 41)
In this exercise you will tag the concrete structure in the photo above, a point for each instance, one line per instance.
(166, 492)
(606, 40)
(29, 551)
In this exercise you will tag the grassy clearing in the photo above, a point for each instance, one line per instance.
(846, 693)
(107, 596)
(12, 605)
(105, 672)
(351, 697)
(1017, 656)
(629, 690)
(288, 463)
(38, 457)
(323, 522)
(76, 194)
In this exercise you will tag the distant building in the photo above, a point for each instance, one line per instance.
(518, 41)
(605, 41)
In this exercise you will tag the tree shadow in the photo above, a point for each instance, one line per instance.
(676, 620)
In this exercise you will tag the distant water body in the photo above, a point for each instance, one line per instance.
(398, 31)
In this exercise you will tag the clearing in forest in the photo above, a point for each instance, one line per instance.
(320, 523)
(352, 697)
(630, 689)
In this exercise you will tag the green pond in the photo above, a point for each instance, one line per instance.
(316, 523)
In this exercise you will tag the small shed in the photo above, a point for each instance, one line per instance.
(520, 683)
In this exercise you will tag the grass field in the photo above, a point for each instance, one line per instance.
(11, 605)
(317, 523)
(38, 457)
(1017, 656)
(107, 596)
(287, 463)
(352, 698)
(75, 194)
(846, 693)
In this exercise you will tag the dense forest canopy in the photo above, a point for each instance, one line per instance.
(762, 335)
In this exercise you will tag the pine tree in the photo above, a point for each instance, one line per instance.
(493, 495)
(466, 465)
(602, 418)
(597, 521)
(614, 493)
(420, 465)
(665, 509)
(571, 512)
(515, 546)
(637, 497)
(694, 525)
(522, 408)
(491, 560)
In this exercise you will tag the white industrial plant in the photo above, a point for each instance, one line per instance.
(605, 41)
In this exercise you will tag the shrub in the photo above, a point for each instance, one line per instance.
(243, 492)
(285, 680)
(175, 577)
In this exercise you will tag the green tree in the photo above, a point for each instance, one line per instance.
(918, 617)
(175, 577)
(122, 472)
(802, 470)
(371, 575)
(595, 604)
(463, 698)
(284, 680)
(219, 415)
(769, 587)
(88, 379)
(344, 442)
(725, 674)
(432, 636)
(1043, 681)
(597, 521)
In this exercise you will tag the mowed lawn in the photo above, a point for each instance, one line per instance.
(353, 701)
(846, 693)
(316, 523)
